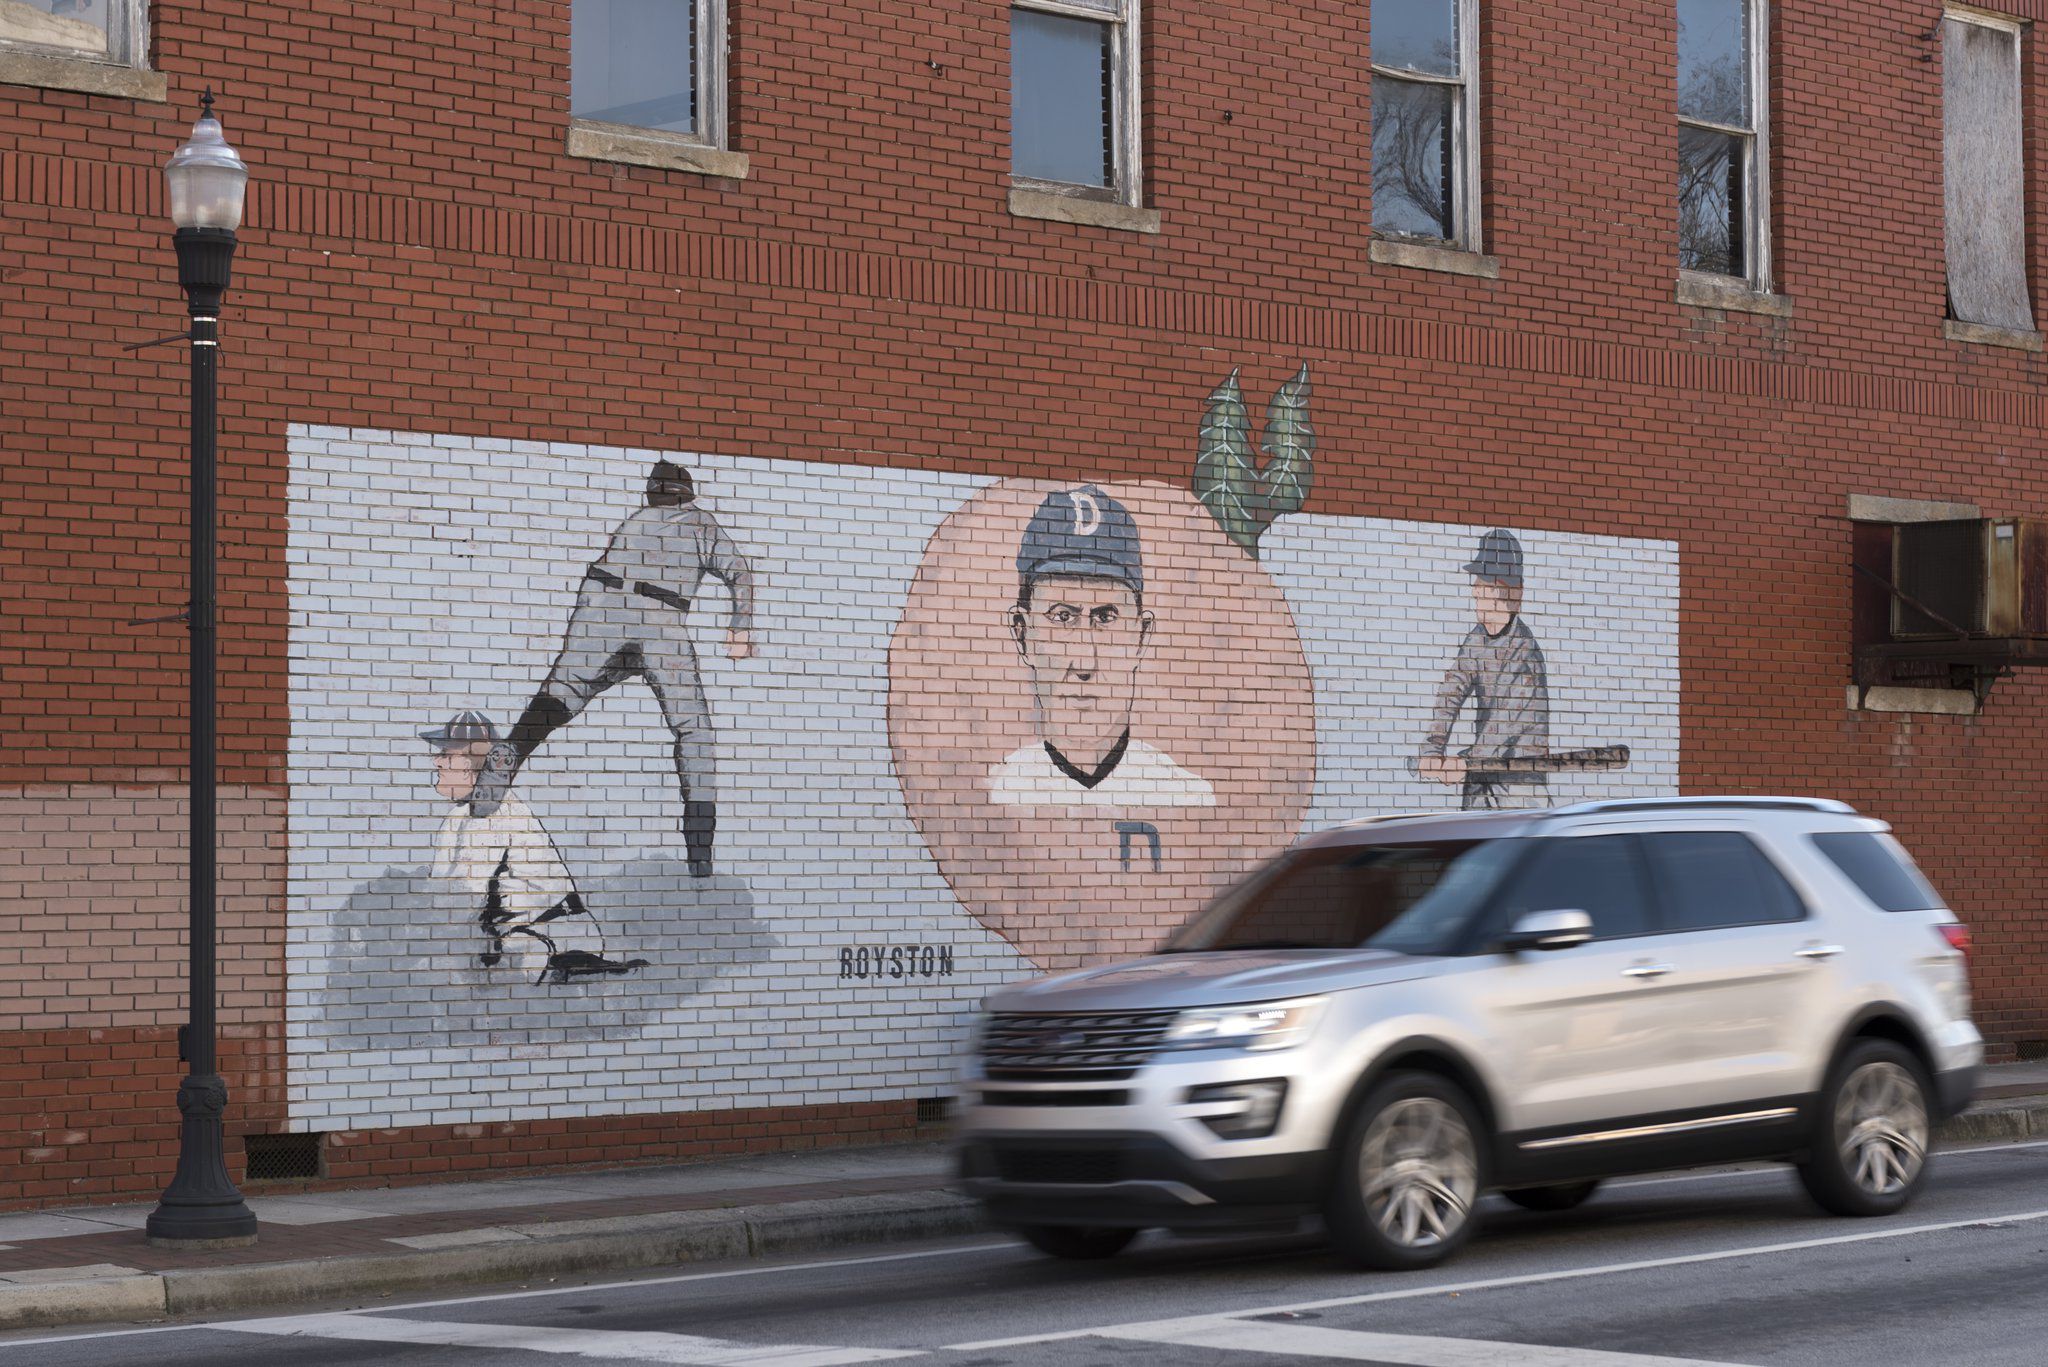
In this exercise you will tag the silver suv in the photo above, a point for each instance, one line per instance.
(1402, 1013)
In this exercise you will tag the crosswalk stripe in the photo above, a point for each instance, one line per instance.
(685, 1350)
(1393, 1350)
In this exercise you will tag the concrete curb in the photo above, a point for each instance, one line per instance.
(621, 1243)
(1997, 1121)
(567, 1249)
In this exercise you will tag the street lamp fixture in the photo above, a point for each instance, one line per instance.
(207, 180)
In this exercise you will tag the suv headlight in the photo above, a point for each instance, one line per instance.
(1260, 1026)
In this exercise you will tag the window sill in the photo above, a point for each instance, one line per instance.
(1712, 292)
(53, 72)
(1093, 213)
(646, 147)
(1422, 256)
(1958, 331)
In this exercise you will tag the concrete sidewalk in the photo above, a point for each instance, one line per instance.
(76, 1266)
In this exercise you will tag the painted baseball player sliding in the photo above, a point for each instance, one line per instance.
(1082, 629)
(527, 905)
(631, 621)
(1500, 674)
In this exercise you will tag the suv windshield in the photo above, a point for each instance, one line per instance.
(1412, 898)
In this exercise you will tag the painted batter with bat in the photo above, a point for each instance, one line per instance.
(1499, 673)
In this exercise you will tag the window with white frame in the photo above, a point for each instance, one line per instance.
(657, 65)
(1984, 171)
(1074, 98)
(1425, 120)
(97, 30)
(1724, 139)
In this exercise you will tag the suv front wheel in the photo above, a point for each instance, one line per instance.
(1407, 1174)
(1870, 1139)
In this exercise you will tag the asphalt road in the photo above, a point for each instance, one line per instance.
(1727, 1267)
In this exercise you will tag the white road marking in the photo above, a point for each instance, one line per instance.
(688, 1350)
(1394, 1350)
(1142, 1327)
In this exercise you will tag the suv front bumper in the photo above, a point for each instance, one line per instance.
(1133, 1180)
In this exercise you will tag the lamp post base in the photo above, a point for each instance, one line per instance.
(201, 1208)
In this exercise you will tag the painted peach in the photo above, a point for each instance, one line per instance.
(1187, 645)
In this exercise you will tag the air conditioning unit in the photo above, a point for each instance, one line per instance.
(1983, 579)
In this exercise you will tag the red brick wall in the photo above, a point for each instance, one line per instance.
(421, 254)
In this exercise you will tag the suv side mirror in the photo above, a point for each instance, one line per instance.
(1548, 930)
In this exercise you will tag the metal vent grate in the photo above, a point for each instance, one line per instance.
(281, 1157)
(1940, 566)
(931, 1110)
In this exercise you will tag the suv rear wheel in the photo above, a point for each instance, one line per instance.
(1870, 1139)
(1408, 1174)
(1077, 1243)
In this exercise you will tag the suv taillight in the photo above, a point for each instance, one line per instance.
(1957, 935)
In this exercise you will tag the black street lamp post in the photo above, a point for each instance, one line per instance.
(207, 180)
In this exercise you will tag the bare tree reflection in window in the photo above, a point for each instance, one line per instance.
(1411, 155)
(1424, 149)
(1719, 222)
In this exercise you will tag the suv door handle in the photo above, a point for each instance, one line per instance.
(1817, 951)
(1645, 970)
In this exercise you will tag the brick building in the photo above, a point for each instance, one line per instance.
(897, 285)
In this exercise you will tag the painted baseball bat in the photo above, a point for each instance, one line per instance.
(1557, 761)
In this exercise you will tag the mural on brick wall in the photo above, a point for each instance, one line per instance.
(957, 730)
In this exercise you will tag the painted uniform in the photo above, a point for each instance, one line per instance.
(1504, 680)
(632, 620)
(526, 902)
(1142, 775)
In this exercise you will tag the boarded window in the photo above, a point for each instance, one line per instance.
(1984, 174)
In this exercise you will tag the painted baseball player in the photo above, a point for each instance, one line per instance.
(1499, 672)
(528, 908)
(1082, 629)
(631, 621)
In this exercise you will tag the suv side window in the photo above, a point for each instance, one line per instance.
(1880, 868)
(1601, 875)
(1708, 879)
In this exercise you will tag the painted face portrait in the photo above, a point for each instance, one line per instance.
(455, 771)
(1100, 713)
(1495, 604)
(1083, 639)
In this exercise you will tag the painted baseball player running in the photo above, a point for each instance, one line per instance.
(1082, 629)
(1500, 673)
(527, 905)
(631, 621)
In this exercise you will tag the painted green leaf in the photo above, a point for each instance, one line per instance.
(1226, 481)
(1290, 445)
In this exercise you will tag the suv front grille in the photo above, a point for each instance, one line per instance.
(1062, 1167)
(1072, 1046)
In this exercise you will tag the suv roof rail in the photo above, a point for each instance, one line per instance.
(1687, 804)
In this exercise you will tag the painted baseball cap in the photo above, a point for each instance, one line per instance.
(464, 728)
(1082, 531)
(1498, 558)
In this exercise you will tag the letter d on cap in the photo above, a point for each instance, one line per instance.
(1087, 513)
